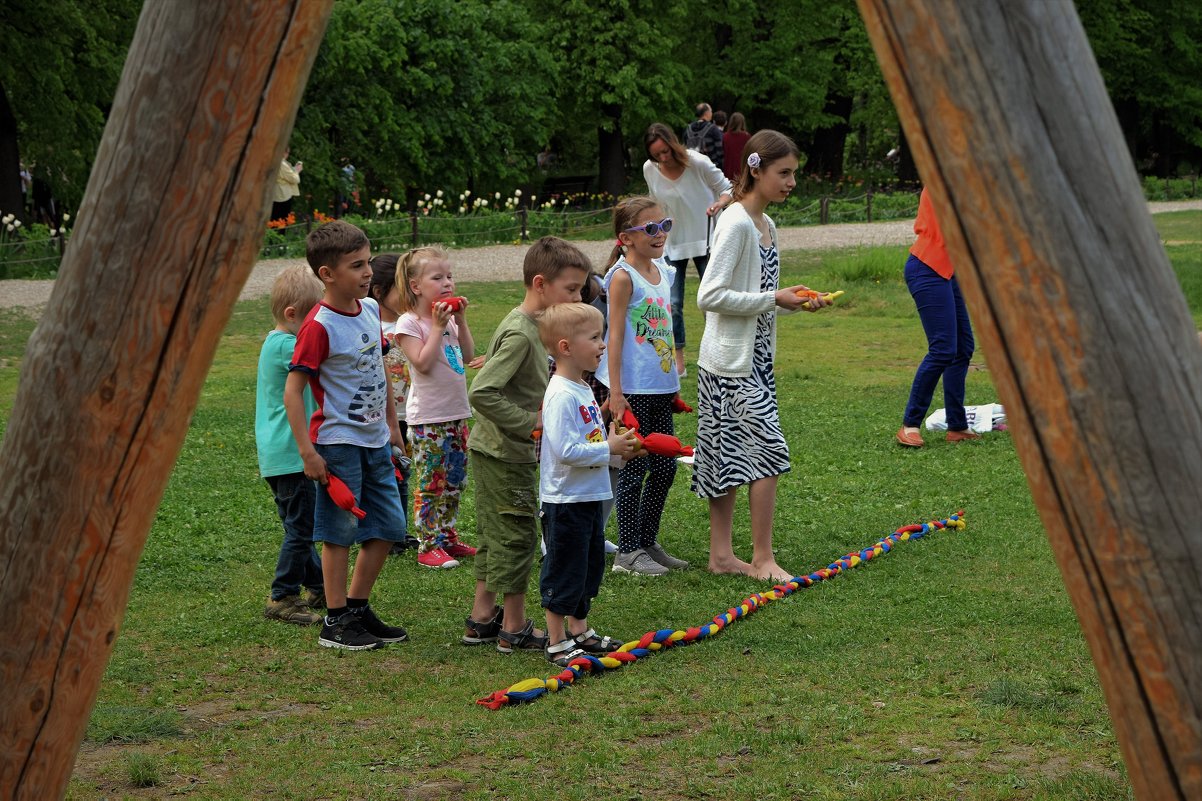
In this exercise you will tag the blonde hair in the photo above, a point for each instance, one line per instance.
(562, 320)
(295, 286)
(409, 267)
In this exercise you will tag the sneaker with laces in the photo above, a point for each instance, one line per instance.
(639, 563)
(347, 632)
(290, 609)
(656, 552)
(457, 550)
(378, 628)
(437, 558)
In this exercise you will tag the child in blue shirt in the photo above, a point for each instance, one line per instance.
(294, 293)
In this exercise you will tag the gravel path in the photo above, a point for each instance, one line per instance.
(504, 262)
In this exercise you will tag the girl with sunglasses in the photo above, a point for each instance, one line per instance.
(739, 436)
(691, 190)
(641, 375)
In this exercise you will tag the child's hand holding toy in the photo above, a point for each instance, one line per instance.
(342, 496)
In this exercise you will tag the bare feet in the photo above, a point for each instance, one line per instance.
(771, 571)
(731, 565)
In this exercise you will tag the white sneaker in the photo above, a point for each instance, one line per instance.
(639, 563)
(610, 547)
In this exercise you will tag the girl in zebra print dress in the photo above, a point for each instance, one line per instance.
(739, 436)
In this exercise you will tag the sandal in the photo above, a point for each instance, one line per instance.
(524, 640)
(563, 652)
(591, 643)
(479, 633)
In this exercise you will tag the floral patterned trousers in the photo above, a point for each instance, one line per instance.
(438, 478)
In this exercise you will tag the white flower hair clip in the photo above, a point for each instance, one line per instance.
(753, 160)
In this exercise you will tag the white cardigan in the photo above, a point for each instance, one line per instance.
(730, 294)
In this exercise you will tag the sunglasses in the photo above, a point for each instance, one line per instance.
(653, 228)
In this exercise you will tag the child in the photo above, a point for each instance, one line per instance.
(339, 354)
(506, 396)
(384, 291)
(293, 293)
(739, 436)
(574, 480)
(437, 343)
(638, 369)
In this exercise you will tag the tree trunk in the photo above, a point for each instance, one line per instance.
(824, 156)
(10, 161)
(1089, 339)
(610, 154)
(168, 231)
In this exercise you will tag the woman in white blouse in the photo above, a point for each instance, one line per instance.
(690, 189)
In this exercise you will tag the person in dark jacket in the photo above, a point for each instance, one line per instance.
(703, 136)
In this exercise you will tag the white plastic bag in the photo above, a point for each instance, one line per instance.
(986, 417)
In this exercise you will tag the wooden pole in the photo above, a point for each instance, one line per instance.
(171, 222)
(1088, 338)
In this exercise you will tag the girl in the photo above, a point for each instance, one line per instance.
(386, 294)
(438, 343)
(641, 375)
(691, 189)
(739, 437)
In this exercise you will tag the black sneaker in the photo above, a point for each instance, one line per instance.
(378, 628)
(348, 632)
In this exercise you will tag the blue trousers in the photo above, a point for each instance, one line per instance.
(678, 294)
(949, 344)
(299, 564)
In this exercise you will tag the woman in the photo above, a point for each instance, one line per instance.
(690, 189)
(931, 280)
(287, 186)
(733, 141)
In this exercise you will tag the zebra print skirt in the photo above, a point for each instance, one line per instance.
(739, 437)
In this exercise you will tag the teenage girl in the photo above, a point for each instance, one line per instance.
(640, 371)
(438, 344)
(739, 436)
(386, 294)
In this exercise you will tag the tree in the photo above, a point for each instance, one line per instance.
(62, 59)
(1150, 55)
(424, 95)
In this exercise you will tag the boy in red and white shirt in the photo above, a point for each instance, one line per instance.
(340, 355)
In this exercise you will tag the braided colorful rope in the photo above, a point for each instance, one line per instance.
(652, 641)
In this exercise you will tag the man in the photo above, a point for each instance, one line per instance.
(702, 135)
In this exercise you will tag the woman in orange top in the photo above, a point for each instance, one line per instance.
(931, 280)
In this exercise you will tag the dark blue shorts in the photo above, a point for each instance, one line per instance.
(575, 562)
(369, 475)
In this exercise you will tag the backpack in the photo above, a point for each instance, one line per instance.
(694, 137)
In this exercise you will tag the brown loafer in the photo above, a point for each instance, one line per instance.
(909, 440)
(962, 436)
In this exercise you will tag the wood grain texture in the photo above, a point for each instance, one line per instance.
(170, 225)
(1087, 335)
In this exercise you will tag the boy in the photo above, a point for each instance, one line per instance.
(574, 481)
(339, 354)
(293, 294)
(505, 396)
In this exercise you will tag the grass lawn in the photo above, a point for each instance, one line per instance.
(951, 668)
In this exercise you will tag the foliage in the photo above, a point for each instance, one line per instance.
(431, 93)
(59, 72)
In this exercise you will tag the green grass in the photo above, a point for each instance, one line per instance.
(952, 668)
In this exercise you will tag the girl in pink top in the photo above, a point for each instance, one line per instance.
(438, 344)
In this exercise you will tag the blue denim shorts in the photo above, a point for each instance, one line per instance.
(368, 473)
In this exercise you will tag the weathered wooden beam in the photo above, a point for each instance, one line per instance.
(1087, 335)
(169, 229)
